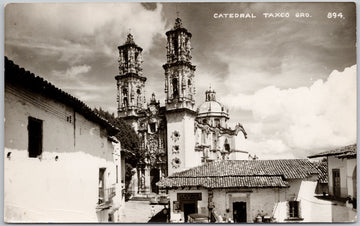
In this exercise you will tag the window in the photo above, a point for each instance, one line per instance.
(214, 140)
(101, 185)
(294, 209)
(175, 88)
(125, 99)
(217, 122)
(126, 103)
(203, 138)
(35, 137)
(152, 127)
(126, 58)
(175, 44)
(227, 145)
(125, 92)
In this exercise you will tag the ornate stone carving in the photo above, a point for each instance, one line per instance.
(176, 162)
(175, 136)
(153, 143)
(175, 149)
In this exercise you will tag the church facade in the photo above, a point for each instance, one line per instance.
(179, 135)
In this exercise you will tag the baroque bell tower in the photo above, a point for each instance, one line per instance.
(130, 82)
(179, 72)
(180, 100)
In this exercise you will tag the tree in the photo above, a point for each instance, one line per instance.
(129, 141)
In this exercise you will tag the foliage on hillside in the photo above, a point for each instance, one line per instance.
(127, 136)
(129, 142)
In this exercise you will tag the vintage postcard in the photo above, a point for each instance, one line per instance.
(180, 112)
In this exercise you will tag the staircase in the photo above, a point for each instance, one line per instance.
(142, 197)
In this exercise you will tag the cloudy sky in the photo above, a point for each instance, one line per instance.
(291, 81)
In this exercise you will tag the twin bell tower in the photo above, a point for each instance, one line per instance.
(180, 110)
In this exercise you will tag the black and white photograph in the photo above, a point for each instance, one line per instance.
(180, 112)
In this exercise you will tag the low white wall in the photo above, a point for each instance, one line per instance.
(52, 191)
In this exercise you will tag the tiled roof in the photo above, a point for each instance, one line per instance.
(322, 169)
(289, 168)
(19, 76)
(242, 174)
(349, 150)
(225, 182)
(349, 155)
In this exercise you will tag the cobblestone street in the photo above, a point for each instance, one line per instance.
(138, 212)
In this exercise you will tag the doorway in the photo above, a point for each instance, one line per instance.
(154, 177)
(239, 212)
(336, 182)
(189, 208)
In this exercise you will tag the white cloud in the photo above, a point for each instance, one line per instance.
(304, 119)
(268, 149)
(74, 80)
(77, 70)
(94, 27)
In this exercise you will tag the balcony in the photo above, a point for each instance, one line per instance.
(105, 197)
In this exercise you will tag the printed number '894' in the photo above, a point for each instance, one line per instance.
(334, 15)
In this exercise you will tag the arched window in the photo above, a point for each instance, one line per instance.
(189, 82)
(217, 122)
(226, 145)
(175, 87)
(126, 103)
(125, 99)
(214, 140)
(138, 99)
(125, 92)
(126, 58)
(203, 137)
(176, 47)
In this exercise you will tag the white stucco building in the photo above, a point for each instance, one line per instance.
(341, 171)
(61, 161)
(251, 191)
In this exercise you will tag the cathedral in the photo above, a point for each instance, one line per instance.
(176, 136)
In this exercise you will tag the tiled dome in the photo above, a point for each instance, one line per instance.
(211, 107)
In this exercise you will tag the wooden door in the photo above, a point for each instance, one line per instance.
(336, 182)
